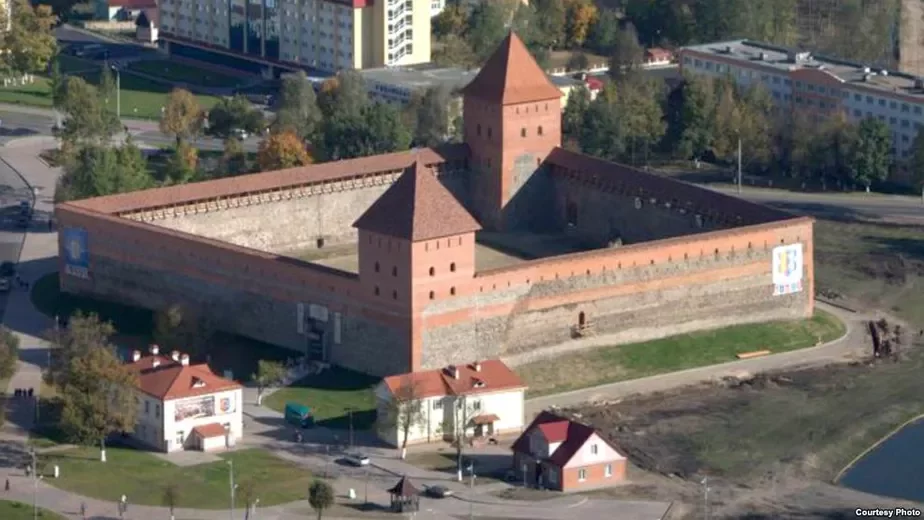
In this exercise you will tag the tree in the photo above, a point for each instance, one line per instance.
(452, 20)
(604, 32)
(231, 115)
(640, 110)
(405, 410)
(298, 107)
(581, 15)
(182, 117)
(726, 121)
(171, 497)
(320, 496)
(916, 161)
(344, 97)
(86, 121)
(454, 51)
(432, 118)
(30, 43)
(269, 373)
(99, 398)
(175, 328)
(9, 352)
(572, 119)
(83, 333)
(107, 85)
(689, 116)
(234, 159)
(56, 83)
(103, 170)
(282, 150)
(181, 167)
(552, 17)
(248, 493)
(627, 53)
(377, 129)
(832, 148)
(872, 157)
(487, 27)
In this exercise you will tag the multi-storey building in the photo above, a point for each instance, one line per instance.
(270, 36)
(818, 85)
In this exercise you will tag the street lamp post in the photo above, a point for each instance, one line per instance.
(34, 485)
(705, 483)
(231, 485)
(471, 504)
(350, 414)
(118, 91)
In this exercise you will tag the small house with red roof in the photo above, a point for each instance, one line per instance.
(557, 453)
(184, 406)
(471, 401)
(658, 57)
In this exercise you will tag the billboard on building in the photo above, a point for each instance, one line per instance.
(226, 405)
(787, 269)
(76, 252)
(195, 408)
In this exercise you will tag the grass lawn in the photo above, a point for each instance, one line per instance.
(134, 325)
(330, 395)
(10, 510)
(488, 468)
(610, 364)
(177, 72)
(142, 476)
(141, 98)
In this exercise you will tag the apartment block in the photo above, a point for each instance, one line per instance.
(272, 36)
(817, 85)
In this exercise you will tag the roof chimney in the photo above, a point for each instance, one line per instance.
(184, 360)
(136, 356)
(155, 362)
(175, 355)
(477, 366)
(155, 350)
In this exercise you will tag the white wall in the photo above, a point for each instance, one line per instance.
(234, 417)
(149, 422)
(586, 457)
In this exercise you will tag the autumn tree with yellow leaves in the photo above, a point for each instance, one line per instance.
(282, 150)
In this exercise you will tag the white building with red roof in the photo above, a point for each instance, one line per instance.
(184, 406)
(565, 455)
(481, 399)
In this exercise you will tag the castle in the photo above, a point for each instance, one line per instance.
(505, 246)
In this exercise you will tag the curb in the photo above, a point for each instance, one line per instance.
(875, 445)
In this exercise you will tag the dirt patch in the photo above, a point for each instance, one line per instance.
(760, 439)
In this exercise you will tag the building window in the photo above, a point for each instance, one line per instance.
(476, 405)
(539, 130)
(438, 404)
(147, 407)
(452, 291)
(376, 290)
(478, 130)
(608, 470)
(394, 271)
(582, 475)
(157, 411)
(594, 449)
(452, 267)
(394, 295)
(376, 267)
(489, 132)
(432, 295)
(432, 271)
(523, 132)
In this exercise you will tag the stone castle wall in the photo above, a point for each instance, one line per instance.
(634, 293)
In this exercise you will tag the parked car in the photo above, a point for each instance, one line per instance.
(4, 285)
(23, 221)
(25, 207)
(357, 459)
(437, 491)
(7, 269)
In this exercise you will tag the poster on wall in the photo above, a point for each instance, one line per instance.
(194, 408)
(787, 269)
(76, 253)
(226, 405)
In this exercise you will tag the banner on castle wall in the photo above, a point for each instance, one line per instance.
(76, 252)
(787, 269)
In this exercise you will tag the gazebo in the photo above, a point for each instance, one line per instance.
(405, 498)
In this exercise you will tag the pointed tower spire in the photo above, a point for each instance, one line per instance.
(511, 76)
(417, 207)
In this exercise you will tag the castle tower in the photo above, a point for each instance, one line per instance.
(416, 247)
(512, 115)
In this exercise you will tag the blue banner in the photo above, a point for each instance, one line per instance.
(76, 252)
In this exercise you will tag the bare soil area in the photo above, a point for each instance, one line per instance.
(769, 443)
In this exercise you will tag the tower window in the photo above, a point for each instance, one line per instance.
(394, 271)
(489, 132)
(432, 271)
(394, 295)
(376, 290)
(523, 132)
(478, 130)
(432, 295)
(376, 267)
(539, 130)
(452, 291)
(452, 267)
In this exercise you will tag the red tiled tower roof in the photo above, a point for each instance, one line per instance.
(511, 76)
(417, 207)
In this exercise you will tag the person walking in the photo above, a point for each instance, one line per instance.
(83, 510)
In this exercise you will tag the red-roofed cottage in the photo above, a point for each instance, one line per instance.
(558, 453)
(481, 399)
(184, 406)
